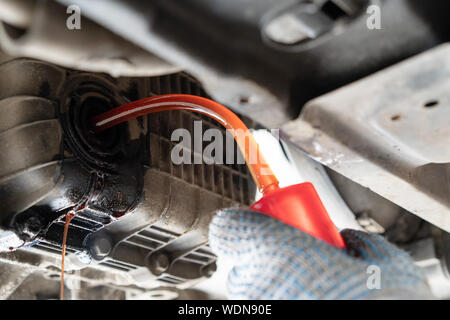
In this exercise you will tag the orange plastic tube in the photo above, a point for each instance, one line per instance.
(258, 167)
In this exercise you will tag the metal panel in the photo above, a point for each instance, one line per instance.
(389, 132)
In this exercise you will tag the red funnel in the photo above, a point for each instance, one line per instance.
(300, 206)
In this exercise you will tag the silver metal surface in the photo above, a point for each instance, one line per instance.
(389, 132)
(429, 255)
(38, 29)
(169, 212)
(8, 240)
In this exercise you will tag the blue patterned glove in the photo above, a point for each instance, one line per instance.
(273, 260)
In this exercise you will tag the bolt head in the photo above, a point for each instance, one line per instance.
(159, 263)
(208, 271)
(100, 247)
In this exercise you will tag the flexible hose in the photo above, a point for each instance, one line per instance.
(258, 167)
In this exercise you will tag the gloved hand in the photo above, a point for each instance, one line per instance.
(273, 260)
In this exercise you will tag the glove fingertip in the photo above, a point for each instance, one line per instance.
(225, 235)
